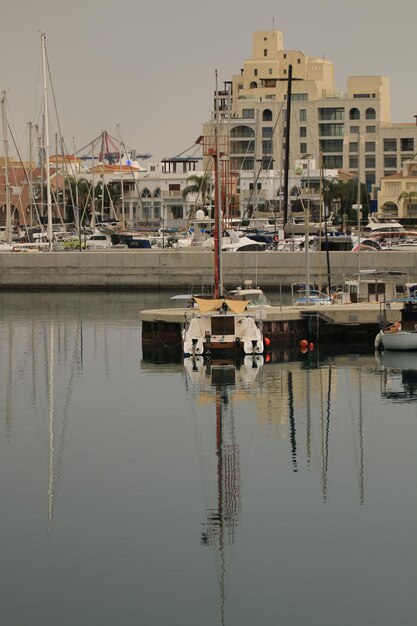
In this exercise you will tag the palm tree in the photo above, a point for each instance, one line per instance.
(407, 197)
(201, 187)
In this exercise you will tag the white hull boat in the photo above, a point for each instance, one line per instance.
(222, 326)
(403, 334)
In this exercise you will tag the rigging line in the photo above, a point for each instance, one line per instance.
(53, 92)
(32, 199)
(260, 167)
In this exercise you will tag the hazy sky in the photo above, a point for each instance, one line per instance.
(147, 69)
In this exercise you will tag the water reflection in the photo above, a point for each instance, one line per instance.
(218, 381)
(398, 375)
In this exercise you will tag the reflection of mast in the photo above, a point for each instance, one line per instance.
(361, 466)
(51, 429)
(224, 518)
(291, 418)
(325, 435)
(221, 522)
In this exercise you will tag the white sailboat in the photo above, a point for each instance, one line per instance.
(219, 324)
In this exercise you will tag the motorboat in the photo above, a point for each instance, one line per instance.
(374, 286)
(219, 326)
(402, 335)
(301, 295)
(254, 296)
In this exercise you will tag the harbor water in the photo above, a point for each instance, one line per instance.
(140, 491)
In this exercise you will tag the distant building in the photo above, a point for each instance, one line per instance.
(397, 197)
(349, 131)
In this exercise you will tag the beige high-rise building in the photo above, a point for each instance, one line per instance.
(349, 131)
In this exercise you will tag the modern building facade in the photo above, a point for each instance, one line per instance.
(350, 131)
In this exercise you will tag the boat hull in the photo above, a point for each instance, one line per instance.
(222, 334)
(400, 340)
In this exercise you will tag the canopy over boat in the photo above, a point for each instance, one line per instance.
(214, 304)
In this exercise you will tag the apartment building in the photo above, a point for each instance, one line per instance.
(350, 131)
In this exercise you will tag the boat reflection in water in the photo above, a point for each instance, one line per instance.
(398, 375)
(219, 381)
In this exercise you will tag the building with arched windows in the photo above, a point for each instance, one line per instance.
(350, 131)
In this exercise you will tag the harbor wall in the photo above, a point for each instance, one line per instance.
(188, 269)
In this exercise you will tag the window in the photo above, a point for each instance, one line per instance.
(361, 95)
(390, 161)
(303, 148)
(248, 113)
(267, 115)
(353, 163)
(267, 146)
(303, 131)
(247, 164)
(333, 162)
(369, 161)
(240, 132)
(253, 85)
(255, 72)
(354, 130)
(331, 114)
(331, 130)
(371, 129)
(297, 97)
(370, 177)
(265, 52)
(267, 163)
(354, 114)
(171, 187)
(369, 146)
(267, 131)
(353, 146)
(303, 115)
(370, 114)
(407, 144)
(390, 145)
(331, 145)
(270, 71)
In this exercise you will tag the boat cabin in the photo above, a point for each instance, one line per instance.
(374, 286)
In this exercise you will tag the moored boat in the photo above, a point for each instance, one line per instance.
(403, 334)
(219, 325)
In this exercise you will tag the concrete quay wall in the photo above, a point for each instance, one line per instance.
(188, 269)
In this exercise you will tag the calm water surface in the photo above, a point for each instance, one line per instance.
(141, 493)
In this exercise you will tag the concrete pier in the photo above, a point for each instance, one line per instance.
(348, 324)
(185, 269)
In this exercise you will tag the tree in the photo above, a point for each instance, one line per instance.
(407, 198)
(345, 194)
(201, 187)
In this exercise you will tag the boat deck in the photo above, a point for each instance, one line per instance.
(339, 314)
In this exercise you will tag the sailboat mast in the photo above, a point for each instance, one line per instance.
(218, 266)
(46, 146)
(8, 234)
(359, 208)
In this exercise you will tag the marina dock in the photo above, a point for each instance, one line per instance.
(353, 324)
